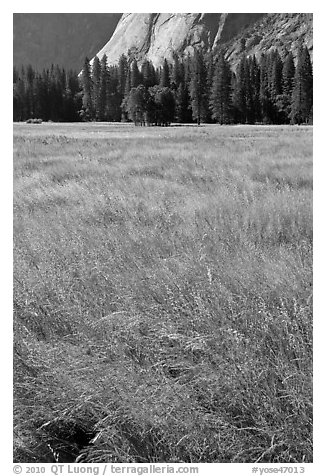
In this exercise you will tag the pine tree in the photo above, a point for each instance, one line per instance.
(249, 94)
(42, 97)
(288, 74)
(220, 98)
(264, 92)
(254, 75)
(165, 75)
(72, 104)
(123, 69)
(57, 84)
(148, 74)
(96, 87)
(182, 110)
(113, 97)
(246, 99)
(135, 78)
(128, 83)
(103, 90)
(29, 87)
(124, 102)
(240, 91)
(176, 73)
(302, 94)
(86, 84)
(19, 106)
(25, 98)
(187, 66)
(275, 86)
(276, 75)
(198, 87)
(210, 68)
(284, 100)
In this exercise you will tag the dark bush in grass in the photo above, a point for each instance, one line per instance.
(34, 121)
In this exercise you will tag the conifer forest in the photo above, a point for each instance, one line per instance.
(199, 88)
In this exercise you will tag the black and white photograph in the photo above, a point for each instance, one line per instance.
(162, 241)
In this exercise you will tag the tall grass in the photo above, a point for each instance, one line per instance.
(163, 283)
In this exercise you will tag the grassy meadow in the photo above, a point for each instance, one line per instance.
(162, 293)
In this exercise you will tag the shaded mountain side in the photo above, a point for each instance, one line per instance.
(283, 31)
(236, 22)
(41, 39)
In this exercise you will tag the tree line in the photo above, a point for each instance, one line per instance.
(54, 94)
(197, 88)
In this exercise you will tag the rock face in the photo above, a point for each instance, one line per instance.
(155, 36)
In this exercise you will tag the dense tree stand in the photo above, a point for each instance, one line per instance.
(198, 88)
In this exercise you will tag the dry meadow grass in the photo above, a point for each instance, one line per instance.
(162, 300)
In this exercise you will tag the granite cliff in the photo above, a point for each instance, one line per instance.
(155, 36)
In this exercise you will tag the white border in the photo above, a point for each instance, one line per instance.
(319, 197)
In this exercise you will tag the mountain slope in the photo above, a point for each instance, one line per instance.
(283, 31)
